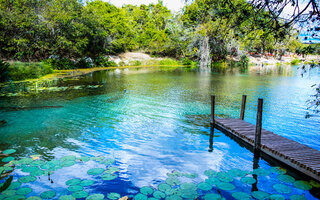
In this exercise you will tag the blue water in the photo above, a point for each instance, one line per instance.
(154, 121)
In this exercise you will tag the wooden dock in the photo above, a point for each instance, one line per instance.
(298, 156)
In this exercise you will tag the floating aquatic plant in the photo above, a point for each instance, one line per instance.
(146, 190)
(163, 187)
(225, 186)
(172, 181)
(27, 179)
(34, 198)
(303, 185)
(236, 173)
(276, 197)
(48, 194)
(159, 194)
(173, 197)
(109, 177)
(80, 194)
(8, 159)
(204, 186)
(74, 181)
(24, 191)
(285, 178)
(37, 173)
(188, 186)
(37, 163)
(189, 194)
(140, 197)
(212, 196)
(84, 158)
(99, 197)
(281, 188)
(67, 163)
(241, 195)
(67, 197)
(191, 175)
(85, 183)
(95, 171)
(14, 185)
(278, 170)
(315, 184)
(261, 172)
(224, 177)
(248, 180)
(210, 173)
(9, 151)
(174, 174)
(212, 181)
(260, 195)
(68, 158)
(25, 161)
(75, 188)
(29, 169)
(112, 170)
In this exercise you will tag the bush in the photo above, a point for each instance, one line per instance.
(61, 63)
(169, 61)
(84, 63)
(110, 64)
(20, 71)
(4, 71)
(135, 63)
(244, 60)
(295, 61)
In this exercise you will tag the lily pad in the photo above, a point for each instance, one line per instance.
(281, 188)
(99, 197)
(188, 186)
(225, 186)
(34, 198)
(278, 170)
(236, 173)
(248, 180)
(163, 187)
(95, 171)
(297, 197)
(189, 194)
(24, 191)
(74, 181)
(9, 151)
(303, 185)
(37, 163)
(75, 188)
(39, 172)
(191, 175)
(27, 179)
(210, 173)
(68, 158)
(159, 194)
(174, 174)
(261, 172)
(260, 195)
(8, 159)
(112, 170)
(48, 194)
(276, 197)
(29, 169)
(212, 196)
(241, 195)
(67, 197)
(212, 181)
(67, 163)
(14, 185)
(85, 183)
(16, 197)
(285, 178)
(84, 158)
(173, 197)
(146, 190)
(108, 161)
(8, 193)
(80, 194)
(315, 184)
(172, 181)
(224, 177)
(25, 161)
(204, 186)
(109, 177)
(140, 197)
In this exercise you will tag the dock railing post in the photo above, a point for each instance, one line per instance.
(243, 106)
(257, 139)
(212, 108)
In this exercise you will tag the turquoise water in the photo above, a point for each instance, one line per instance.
(154, 122)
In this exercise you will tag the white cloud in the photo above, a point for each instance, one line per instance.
(174, 5)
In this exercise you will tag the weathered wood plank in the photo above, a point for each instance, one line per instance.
(292, 153)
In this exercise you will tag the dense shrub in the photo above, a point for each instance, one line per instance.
(20, 71)
(4, 71)
(169, 61)
(135, 63)
(295, 62)
(61, 63)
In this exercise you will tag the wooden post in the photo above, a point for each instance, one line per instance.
(257, 140)
(211, 138)
(243, 106)
(212, 108)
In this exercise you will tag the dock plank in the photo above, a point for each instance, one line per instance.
(292, 153)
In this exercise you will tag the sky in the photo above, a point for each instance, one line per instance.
(174, 5)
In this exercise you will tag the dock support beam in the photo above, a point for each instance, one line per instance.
(212, 108)
(257, 139)
(243, 106)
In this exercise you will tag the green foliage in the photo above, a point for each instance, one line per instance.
(20, 71)
(135, 63)
(4, 71)
(63, 63)
(295, 61)
(169, 61)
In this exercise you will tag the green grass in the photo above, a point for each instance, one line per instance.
(295, 61)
